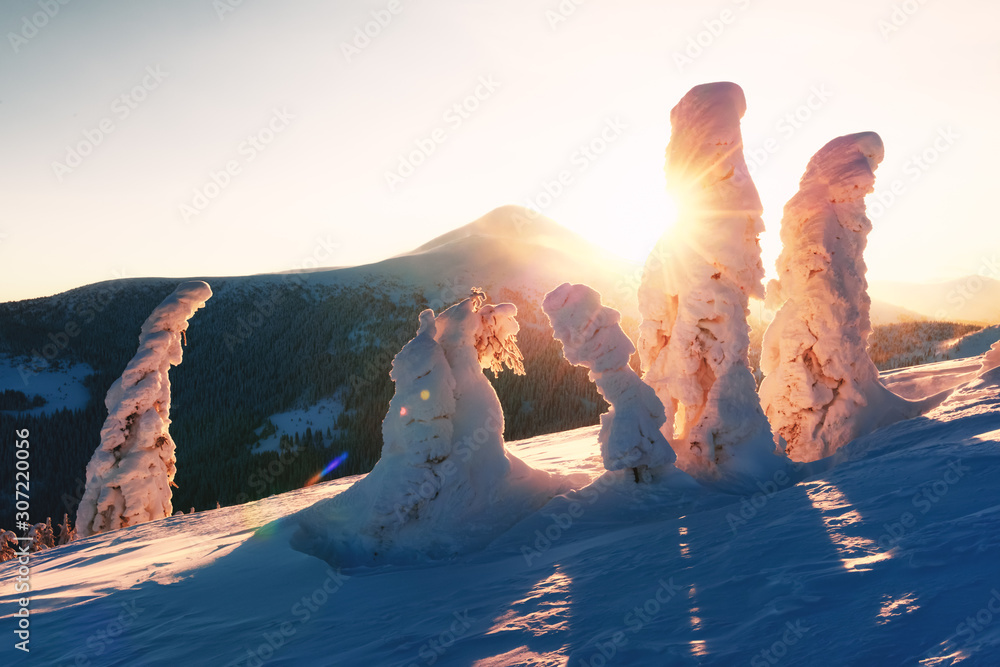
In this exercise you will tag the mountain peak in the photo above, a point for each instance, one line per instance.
(508, 223)
(511, 219)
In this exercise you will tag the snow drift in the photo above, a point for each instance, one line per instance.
(821, 389)
(694, 297)
(445, 483)
(130, 475)
(591, 336)
(885, 555)
(992, 358)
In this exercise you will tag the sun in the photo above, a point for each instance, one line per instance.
(656, 217)
(630, 216)
(621, 203)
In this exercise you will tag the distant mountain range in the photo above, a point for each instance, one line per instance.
(888, 313)
(970, 299)
(278, 345)
(272, 344)
(510, 247)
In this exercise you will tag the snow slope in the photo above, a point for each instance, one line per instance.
(61, 387)
(885, 554)
(321, 416)
(973, 344)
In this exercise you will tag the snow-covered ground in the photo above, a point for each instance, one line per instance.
(973, 344)
(321, 416)
(885, 554)
(61, 387)
(915, 350)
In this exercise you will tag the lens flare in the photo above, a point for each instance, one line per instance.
(327, 470)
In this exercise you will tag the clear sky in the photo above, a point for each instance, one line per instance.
(309, 130)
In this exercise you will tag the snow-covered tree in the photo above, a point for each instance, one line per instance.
(130, 475)
(821, 389)
(444, 482)
(42, 536)
(694, 298)
(66, 533)
(8, 545)
(592, 336)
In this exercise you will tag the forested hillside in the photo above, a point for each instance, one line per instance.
(265, 345)
(260, 347)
